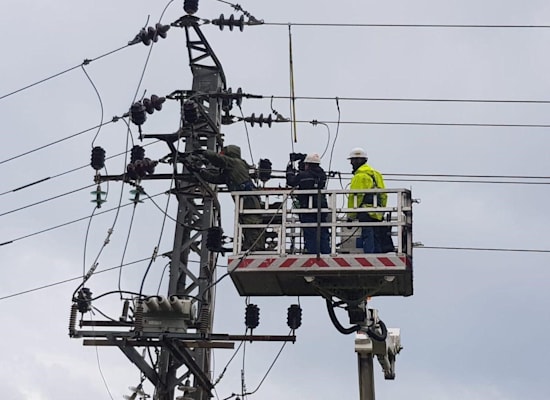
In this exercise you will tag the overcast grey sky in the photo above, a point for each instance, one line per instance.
(474, 327)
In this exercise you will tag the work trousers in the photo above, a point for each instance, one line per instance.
(311, 244)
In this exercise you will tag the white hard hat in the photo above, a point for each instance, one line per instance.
(357, 152)
(313, 158)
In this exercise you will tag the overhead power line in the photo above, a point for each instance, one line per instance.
(83, 63)
(413, 99)
(444, 26)
(49, 285)
(492, 125)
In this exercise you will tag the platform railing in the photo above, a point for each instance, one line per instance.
(282, 228)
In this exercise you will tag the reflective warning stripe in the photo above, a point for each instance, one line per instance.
(340, 262)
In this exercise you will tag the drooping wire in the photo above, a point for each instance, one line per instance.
(293, 137)
(162, 277)
(336, 136)
(247, 135)
(269, 369)
(220, 377)
(126, 248)
(315, 123)
(314, 24)
(99, 367)
(100, 103)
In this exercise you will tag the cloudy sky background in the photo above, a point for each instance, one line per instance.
(475, 326)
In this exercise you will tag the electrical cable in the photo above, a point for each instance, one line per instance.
(65, 173)
(58, 141)
(125, 248)
(49, 285)
(247, 135)
(99, 368)
(46, 200)
(414, 99)
(219, 378)
(65, 224)
(463, 124)
(85, 62)
(100, 103)
(315, 123)
(293, 135)
(270, 367)
(358, 25)
(336, 136)
(482, 249)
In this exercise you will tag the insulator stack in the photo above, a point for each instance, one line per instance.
(214, 238)
(98, 194)
(191, 6)
(231, 22)
(98, 158)
(141, 168)
(229, 97)
(72, 320)
(190, 112)
(153, 103)
(84, 300)
(138, 317)
(252, 316)
(264, 169)
(259, 120)
(294, 316)
(151, 34)
(204, 319)
(137, 153)
(137, 113)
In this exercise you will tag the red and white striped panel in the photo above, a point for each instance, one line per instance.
(341, 262)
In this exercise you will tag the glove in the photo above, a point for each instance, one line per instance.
(198, 152)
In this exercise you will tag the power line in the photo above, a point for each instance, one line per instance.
(83, 63)
(483, 249)
(413, 99)
(449, 26)
(192, 261)
(57, 141)
(493, 125)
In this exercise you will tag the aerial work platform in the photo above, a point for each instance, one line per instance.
(281, 269)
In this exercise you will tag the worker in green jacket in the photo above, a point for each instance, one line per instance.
(366, 177)
(233, 171)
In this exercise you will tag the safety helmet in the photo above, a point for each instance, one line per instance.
(357, 152)
(313, 158)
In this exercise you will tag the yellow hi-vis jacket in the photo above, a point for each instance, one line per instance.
(366, 177)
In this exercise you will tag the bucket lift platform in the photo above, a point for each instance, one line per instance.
(348, 273)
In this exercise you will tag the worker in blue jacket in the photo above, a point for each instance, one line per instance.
(316, 240)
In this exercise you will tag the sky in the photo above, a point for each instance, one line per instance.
(474, 327)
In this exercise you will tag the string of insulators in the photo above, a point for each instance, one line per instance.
(229, 97)
(264, 169)
(140, 109)
(137, 153)
(98, 194)
(151, 34)
(252, 316)
(191, 6)
(84, 300)
(190, 112)
(138, 317)
(141, 168)
(72, 320)
(259, 120)
(98, 158)
(204, 318)
(231, 22)
(294, 316)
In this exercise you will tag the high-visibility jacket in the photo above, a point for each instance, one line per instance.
(366, 177)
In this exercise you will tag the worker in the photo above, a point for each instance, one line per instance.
(316, 240)
(366, 177)
(233, 171)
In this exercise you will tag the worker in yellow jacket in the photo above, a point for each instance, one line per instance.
(366, 177)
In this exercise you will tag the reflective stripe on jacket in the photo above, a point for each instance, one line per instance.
(366, 177)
